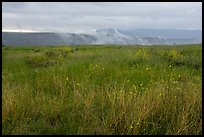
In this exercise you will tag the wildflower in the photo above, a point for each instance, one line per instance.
(67, 79)
(138, 123)
(78, 84)
(134, 87)
(170, 66)
(160, 94)
(131, 127)
(179, 76)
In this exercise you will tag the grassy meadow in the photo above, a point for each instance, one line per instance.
(102, 89)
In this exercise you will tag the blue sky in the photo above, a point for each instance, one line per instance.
(79, 17)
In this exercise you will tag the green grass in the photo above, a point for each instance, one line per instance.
(142, 90)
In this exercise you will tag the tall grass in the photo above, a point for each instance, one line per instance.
(142, 90)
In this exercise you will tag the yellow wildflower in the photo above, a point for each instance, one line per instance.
(160, 94)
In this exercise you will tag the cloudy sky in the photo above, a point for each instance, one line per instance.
(79, 17)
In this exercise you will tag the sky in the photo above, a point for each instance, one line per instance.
(83, 17)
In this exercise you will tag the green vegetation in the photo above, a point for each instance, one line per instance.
(154, 90)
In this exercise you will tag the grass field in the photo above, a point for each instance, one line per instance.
(153, 90)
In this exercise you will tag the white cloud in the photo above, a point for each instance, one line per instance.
(86, 16)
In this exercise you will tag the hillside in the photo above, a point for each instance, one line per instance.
(104, 36)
